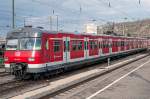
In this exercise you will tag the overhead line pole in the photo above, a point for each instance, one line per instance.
(50, 21)
(57, 21)
(13, 14)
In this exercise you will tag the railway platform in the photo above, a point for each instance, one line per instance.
(132, 85)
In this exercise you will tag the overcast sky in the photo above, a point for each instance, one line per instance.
(72, 14)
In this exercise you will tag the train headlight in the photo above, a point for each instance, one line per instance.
(6, 59)
(31, 59)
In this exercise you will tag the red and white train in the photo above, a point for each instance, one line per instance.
(34, 51)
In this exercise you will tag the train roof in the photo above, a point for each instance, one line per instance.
(24, 32)
(36, 32)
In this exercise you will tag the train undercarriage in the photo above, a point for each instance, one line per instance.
(19, 70)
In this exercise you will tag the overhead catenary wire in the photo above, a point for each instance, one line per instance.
(108, 3)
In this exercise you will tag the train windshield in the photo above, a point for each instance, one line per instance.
(24, 44)
(12, 44)
(30, 44)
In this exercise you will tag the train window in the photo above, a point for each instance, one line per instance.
(12, 44)
(118, 43)
(125, 43)
(80, 45)
(121, 43)
(99, 44)
(76, 45)
(30, 43)
(93, 44)
(56, 46)
(47, 45)
(103, 44)
(114, 44)
(106, 43)
(109, 45)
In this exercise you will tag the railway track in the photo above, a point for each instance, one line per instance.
(17, 87)
(2, 74)
(1, 66)
(9, 84)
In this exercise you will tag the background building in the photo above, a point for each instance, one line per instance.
(139, 28)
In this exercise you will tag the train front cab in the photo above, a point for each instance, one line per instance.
(23, 53)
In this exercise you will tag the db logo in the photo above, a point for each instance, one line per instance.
(17, 53)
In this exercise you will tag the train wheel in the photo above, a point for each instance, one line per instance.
(36, 76)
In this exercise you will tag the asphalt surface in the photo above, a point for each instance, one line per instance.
(136, 85)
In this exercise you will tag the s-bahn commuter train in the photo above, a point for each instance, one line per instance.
(32, 51)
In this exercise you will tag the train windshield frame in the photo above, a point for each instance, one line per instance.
(26, 43)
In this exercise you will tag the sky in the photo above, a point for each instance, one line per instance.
(72, 14)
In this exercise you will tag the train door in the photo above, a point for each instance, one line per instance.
(45, 48)
(86, 49)
(119, 45)
(138, 43)
(122, 44)
(100, 46)
(110, 46)
(113, 45)
(130, 46)
(141, 43)
(135, 43)
(132, 43)
(66, 53)
(125, 44)
(56, 49)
